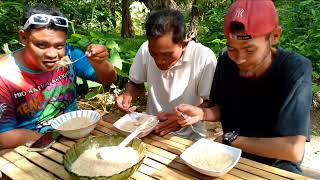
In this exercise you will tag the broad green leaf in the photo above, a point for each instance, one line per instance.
(111, 44)
(90, 95)
(93, 84)
(79, 80)
(100, 35)
(115, 58)
(77, 36)
(120, 73)
(84, 42)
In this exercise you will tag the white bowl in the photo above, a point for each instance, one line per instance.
(209, 151)
(76, 124)
(127, 119)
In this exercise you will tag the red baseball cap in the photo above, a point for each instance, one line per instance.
(259, 17)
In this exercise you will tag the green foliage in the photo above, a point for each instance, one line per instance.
(121, 50)
(10, 21)
(211, 28)
(300, 21)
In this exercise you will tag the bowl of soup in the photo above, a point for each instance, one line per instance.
(76, 124)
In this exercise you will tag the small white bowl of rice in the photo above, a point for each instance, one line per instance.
(76, 124)
(211, 158)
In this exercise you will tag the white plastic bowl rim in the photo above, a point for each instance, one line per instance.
(93, 116)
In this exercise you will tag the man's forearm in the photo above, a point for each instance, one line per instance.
(104, 71)
(290, 148)
(17, 137)
(135, 90)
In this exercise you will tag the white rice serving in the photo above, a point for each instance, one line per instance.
(118, 159)
(211, 160)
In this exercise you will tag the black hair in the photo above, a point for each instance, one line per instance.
(236, 27)
(42, 9)
(162, 22)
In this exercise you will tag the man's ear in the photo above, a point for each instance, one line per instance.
(185, 44)
(23, 35)
(275, 35)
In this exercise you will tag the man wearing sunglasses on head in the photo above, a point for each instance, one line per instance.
(33, 89)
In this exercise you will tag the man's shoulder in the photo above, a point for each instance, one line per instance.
(292, 60)
(197, 47)
(144, 47)
(143, 54)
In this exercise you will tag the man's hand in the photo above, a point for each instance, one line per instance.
(97, 53)
(219, 139)
(192, 114)
(168, 123)
(124, 102)
(131, 92)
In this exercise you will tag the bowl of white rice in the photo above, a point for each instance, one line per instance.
(211, 158)
(76, 124)
(82, 161)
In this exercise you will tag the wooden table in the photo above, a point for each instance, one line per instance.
(162, 162)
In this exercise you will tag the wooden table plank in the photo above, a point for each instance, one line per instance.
(12, 171)
(168, 142)
(272, 169)
(60, 147)
(54, 155)
(45, 163)
(258, 172)
(139, 175)
(178, 139)
(27, 166)
(243, 174)
(165, 172)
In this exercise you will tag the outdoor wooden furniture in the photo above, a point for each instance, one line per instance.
(162, 161)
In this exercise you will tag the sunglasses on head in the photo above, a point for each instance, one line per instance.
(44, 19)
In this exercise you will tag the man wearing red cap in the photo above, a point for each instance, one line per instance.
(261, 94)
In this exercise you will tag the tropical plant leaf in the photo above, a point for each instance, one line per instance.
(115, 58)
(120, 73)
(111, 44)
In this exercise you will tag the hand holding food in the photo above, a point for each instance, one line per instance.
(193, 113)
(124, 102)
(97, 53)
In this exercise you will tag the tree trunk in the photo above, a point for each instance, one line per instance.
(126, 29)
(195, 21)
(159, 4)
(113, 12)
